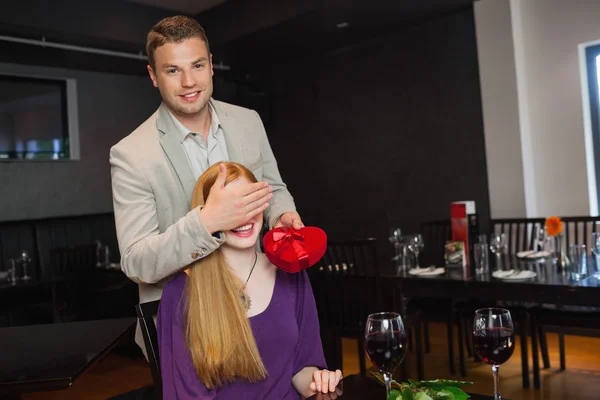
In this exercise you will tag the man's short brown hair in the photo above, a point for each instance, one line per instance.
(174, 29)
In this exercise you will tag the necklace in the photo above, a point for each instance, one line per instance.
(246, 302)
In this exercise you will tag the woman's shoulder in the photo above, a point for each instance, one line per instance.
(296, 281)
(174, 287)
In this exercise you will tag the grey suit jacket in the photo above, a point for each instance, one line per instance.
(152, 184)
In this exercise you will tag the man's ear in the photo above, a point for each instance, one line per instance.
(152, 75)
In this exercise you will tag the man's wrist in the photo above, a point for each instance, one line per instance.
(205, 220)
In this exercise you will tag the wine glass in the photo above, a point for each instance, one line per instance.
(493, 339)
(415, 244)
(24, 260)
(541, 236)
(595, 247)
(498, 247)
(395, 237)
(385, 343)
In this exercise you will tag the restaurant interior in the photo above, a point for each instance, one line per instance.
(411, 132)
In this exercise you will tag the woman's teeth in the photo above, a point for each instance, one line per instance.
(243, 228)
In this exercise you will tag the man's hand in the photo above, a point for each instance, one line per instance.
(325, 381)
(228, 208)
(291, 220)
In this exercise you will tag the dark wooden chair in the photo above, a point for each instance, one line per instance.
(543, 318)
(562, 317)
(145, 315)
(73, 269)
(578, 230)
(435, 235)
(519, 232)
(347, 287)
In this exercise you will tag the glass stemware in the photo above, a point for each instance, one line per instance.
(541, 237)
(595, 248)
(385, 343)
(498, 247)
(493, 339)
(24, 260)
(415, 244)
(395, 238)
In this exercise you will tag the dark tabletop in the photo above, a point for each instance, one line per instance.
(355, 387)
(549, 286)
(52, 356)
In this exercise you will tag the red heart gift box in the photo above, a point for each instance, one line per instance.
(295, 250)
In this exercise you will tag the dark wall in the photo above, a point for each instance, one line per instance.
(385, 133)
(110, 107)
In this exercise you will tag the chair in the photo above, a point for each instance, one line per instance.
(578, 230)
(145, 314)
(519, 232)
(568, 317)
(435, 235)
(71, 295)
(347, 287)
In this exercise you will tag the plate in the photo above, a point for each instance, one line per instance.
(426, 272)
(511, 275)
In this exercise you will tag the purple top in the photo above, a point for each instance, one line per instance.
(286, 333)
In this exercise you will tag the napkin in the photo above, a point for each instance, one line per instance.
(295, 250)
(511, 274)
(426, 271)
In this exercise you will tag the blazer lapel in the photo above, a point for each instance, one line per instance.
(233, 139)
(174, 151)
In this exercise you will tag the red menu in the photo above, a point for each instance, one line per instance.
(460, 225)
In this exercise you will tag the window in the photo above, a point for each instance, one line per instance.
(38, 119)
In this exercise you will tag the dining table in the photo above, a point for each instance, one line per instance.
(46, 357)
(356, 387)
(509, 280)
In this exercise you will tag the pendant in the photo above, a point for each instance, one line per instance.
(246, 302)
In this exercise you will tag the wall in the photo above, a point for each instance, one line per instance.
(500, 109)
(110, 107)
(546, 35)
(384, 134)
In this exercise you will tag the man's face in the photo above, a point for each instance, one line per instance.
(183, 75)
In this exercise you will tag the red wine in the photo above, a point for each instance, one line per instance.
(386, 350)
(494, 345)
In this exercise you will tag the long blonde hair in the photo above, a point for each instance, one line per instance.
(218, 332)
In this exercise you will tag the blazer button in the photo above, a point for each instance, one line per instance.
(194, 255)
(203, 252)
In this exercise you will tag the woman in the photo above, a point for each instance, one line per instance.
(233, 326)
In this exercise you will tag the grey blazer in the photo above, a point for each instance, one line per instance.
(152, 184)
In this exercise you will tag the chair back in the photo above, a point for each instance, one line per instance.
(73, 267)
(519, 232)
(145, 315)
(578, 230)
(346, 283)
(435, 235)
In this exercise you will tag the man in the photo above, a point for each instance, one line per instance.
(155, 168)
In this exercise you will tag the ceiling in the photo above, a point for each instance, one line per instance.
(316, 30)
(189, 7)
(243, 34)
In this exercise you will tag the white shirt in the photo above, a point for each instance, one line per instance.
(201, 154)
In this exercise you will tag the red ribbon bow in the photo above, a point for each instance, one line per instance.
(296, 240)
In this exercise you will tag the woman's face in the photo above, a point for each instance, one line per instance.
(244, 236)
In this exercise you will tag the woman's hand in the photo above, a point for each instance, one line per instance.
(324, 381)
